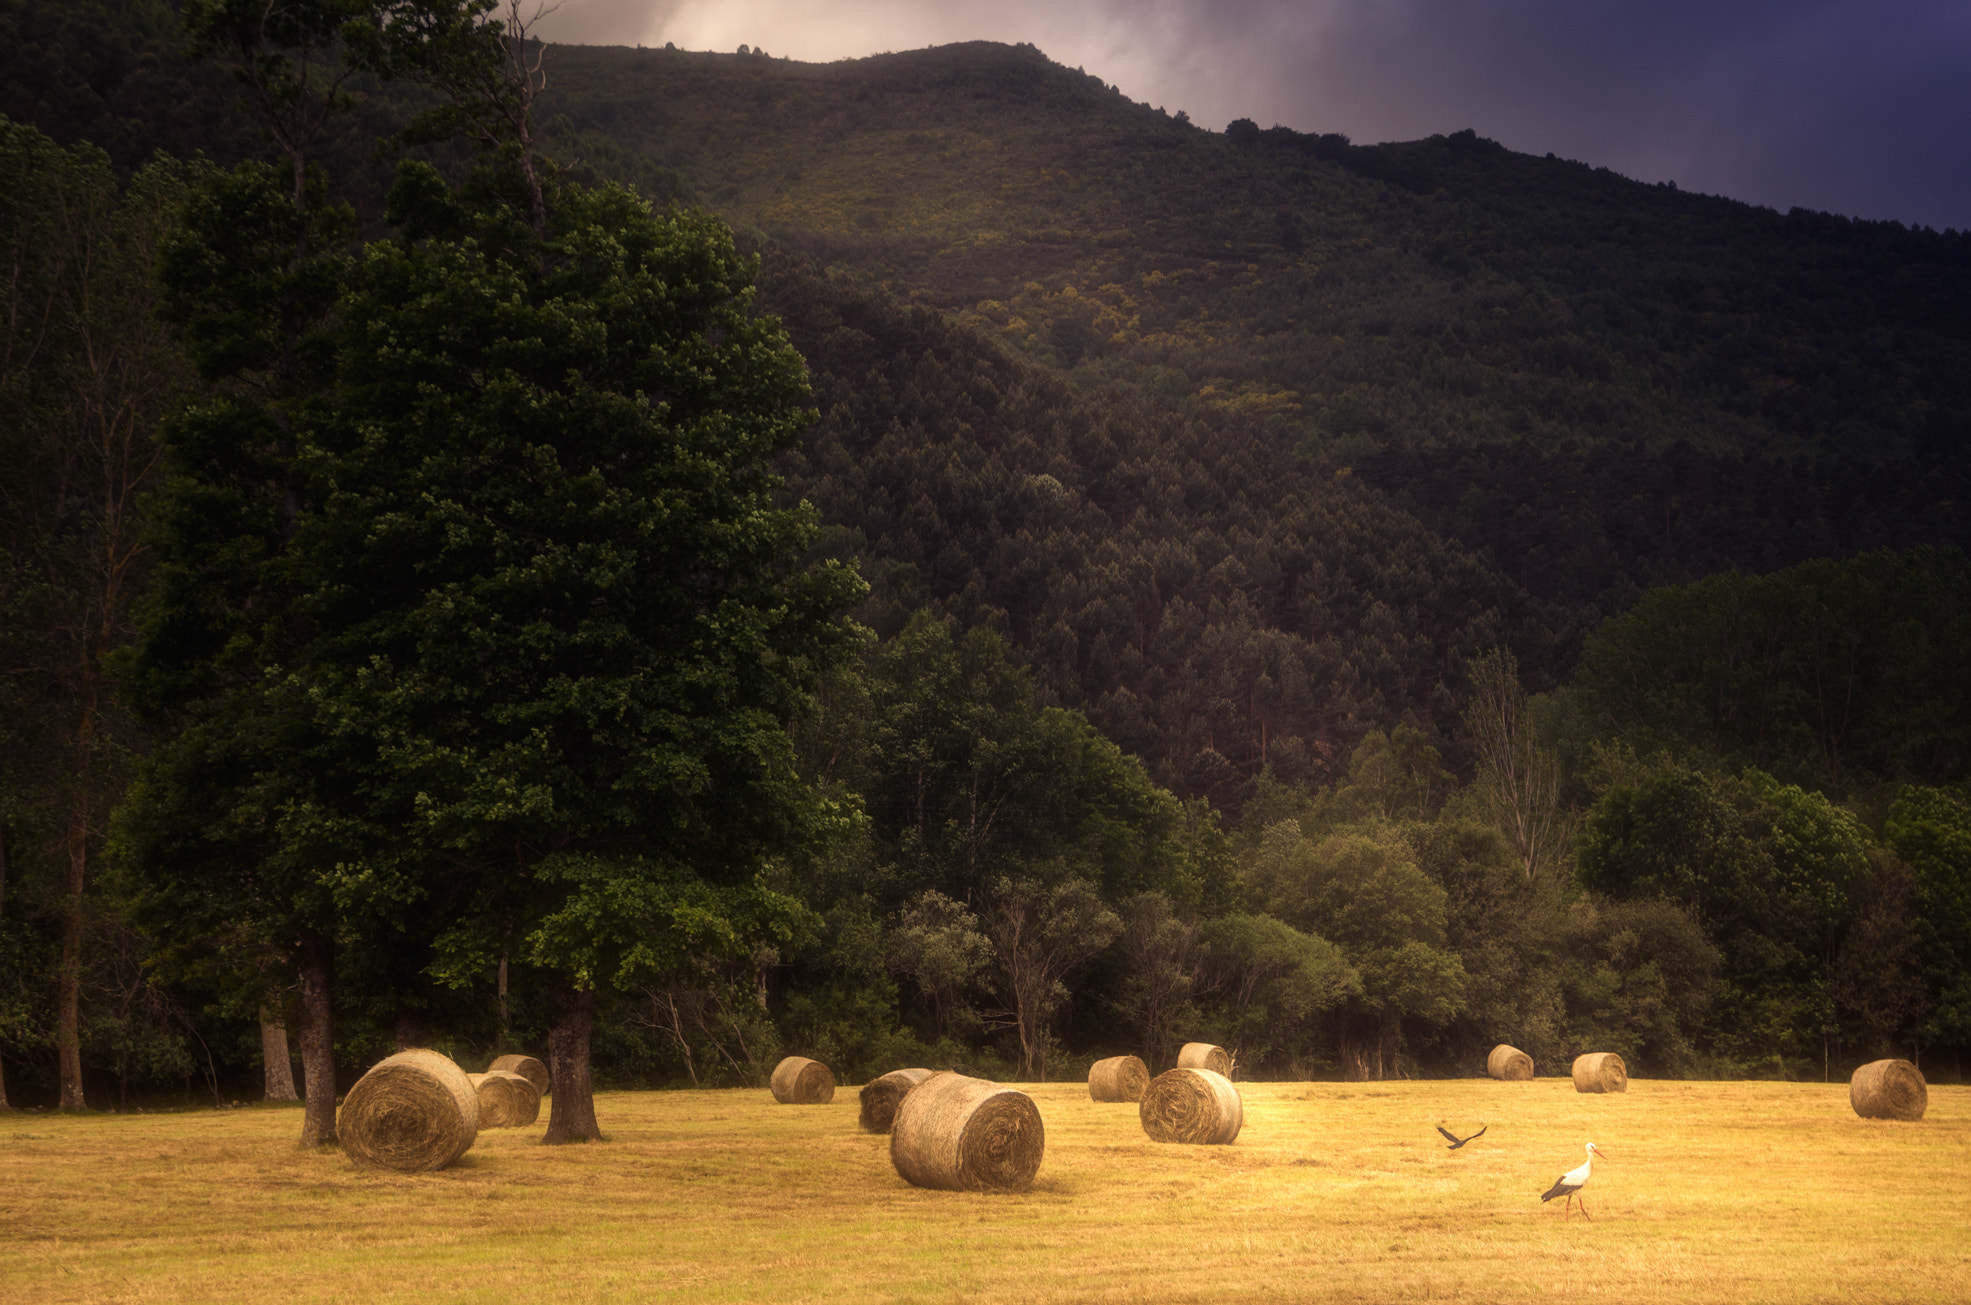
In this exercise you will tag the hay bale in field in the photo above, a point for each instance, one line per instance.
(1889, 1089)
(1600, 1071)
(881, 1098)
(961, 1134)
(1119, 1078)
(798, 1081)
(528, 1068)
(1509, 1063)
(1203, 1055)
(506, 1099)
(413, 1111)
(1192, 1105)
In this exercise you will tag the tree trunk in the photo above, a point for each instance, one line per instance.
(4, 1106)
(274, 1056)
(1358, 1054)
(410, 1030)
(317, 967)
(505, 1029)
(68, 979)
(572, 1115)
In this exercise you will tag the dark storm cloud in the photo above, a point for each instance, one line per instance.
(1857, 108)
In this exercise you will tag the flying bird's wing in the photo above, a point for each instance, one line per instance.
(1475, 1136)
(1449, 1136)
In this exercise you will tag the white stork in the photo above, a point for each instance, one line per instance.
(1570, 1184)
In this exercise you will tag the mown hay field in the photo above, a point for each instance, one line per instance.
(1736, 1192)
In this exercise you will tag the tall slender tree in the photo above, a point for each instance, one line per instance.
(252, 280)
(1039, 936)
(1518, 777)
(88, 372)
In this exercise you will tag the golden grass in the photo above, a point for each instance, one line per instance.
(1344, 1192)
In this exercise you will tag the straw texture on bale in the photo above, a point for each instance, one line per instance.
(528, 1068)
(506, 1099)
(959, 1134)
(1600, 1071)
(413, 1111)
(1889, 1089)
(798, 1081)
(1192, 1105)
(1119, 1078)
(881, 1097)
(1203, 1055)
(1509, 1063)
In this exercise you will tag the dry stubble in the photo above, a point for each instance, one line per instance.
(1332, 1191)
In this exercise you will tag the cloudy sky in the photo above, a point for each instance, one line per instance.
(1861, 107)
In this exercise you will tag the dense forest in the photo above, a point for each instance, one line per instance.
(1354, 604)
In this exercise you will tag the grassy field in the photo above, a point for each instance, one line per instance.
(1736, 1192)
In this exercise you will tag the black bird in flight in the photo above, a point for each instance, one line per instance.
(1457, 1141)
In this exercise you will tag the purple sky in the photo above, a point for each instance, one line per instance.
(1845, 105)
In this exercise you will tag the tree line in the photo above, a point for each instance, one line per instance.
(440, 639)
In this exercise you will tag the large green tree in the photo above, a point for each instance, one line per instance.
(1362, 889)
(558, 619)
(1772, 873)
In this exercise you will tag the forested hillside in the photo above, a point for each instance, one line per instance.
(1604, 385)
(1354, 603)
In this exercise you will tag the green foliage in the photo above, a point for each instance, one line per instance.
(555, 614)
(1187, 469)
(1830, 673)
(1604, 385)
(969, 779)
(1362, 889)
(938, 944)
(846, 1012)
(1269, 989)
(1639, 982)
(1164, 959)
(1674, 835)
(85, 372)
(1773, 874)
(1040, 934)
(1930, 830)
(1303, 616)
(1392, 777)
(1509, 933)
(218, 825)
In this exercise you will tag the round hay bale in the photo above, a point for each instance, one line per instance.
(1203, 1055)
(881, 1097)
(798, 1081)
(1192, 1105)
(413, 1111)
(1119, 1078)
(960, 1134)
(1600, 1071)
(1509, 1063)
(1889, 1089)
(528, 1068)
(506, 1099)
